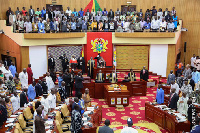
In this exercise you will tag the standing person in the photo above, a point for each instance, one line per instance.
(31, 14)
(175, 86)
(69, 11)
(49, 81)
(39, 122)
(43, 12)
(182, 104)
(65, 62)
(67, 80)
(24, 11)
(191, 82)
(173, 99)
(144, 74)
(12, 68)
(72, 82)
(91, 65)
(38, 88)
(44, 86)
(197, 63)
(38, 13)
(7, 73)
(81, 12)
(76, 119)
(60, 79)
(187, 72)
(129, 129)
(160, 95)
(30, 74)
(41, 27)
(17, 82)
(81, 64)
(154, 11)
(3, 112)
(171, 77)
(31, 92)
(78, 83)
(62, 91)
(51, 62)
(191, 113)
(9, 106)
(195, 75)
(23, 97)
(106, 128)
(131, 75)
(20, 25)
(12, 21)
(23, 76)
(47, 25)
(52, 99)
(8, 13)
(15, 101)
(17, 11)
(45, 103)
(192, 61)
(110, 15)
(28, 26)
(175, 21)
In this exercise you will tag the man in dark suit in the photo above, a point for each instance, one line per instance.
(81, 64)
(31, 13)
(65, 62)
(7, 62)
(51, 62)
(110, 15)
(44, 86)
(173, 99)
(38, 88)
(106, 128)
(191, 81)
(191, 113)
(51, 14)
(39, 122)
(23, 97)
(78, 83)
(171, 77)
(62, 91)
(67, 79)
(144, 74)
(99, 77)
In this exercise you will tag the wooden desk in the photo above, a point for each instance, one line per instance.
(165, 120)
(116, 95)
(136, 88)
(166, 89)
(96, 118)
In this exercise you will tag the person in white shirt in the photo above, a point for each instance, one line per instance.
(69, 11)
(182, 105)
(23, 76)
(2, 68)
(175, 85)
(45, 103)
(170, 26)
(15, 101)
(49, 81)
(129, 129)
(28, 26)
(126, 26)
(163, 25)
(52, 99)
(192, 61)
(7, 73)
(159, 13)
(155, 24)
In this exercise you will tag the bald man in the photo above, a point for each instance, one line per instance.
(144, 74)
(23, 76)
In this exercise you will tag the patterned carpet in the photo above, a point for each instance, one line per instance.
(135, 110)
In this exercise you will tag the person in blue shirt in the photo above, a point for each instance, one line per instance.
(84, 25)
(196, 128)
(81, 102)
(73, 26)
(195, 75)
(75, 12)
(175, 20)
(43, 12)
(12, 68)
(41, 27)
(60, 79)
(160, 95)
(147, 26)
(81, 12)
(31, 92)
(104, 12)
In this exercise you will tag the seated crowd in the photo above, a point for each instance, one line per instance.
(43, 21)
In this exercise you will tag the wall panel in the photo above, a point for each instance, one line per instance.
(171, 58)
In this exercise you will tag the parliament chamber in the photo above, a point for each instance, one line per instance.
(98, 66)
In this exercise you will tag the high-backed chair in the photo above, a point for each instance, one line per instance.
(62, 122)
(62, 129)
(66, 113)
(18, 129)
(28, 115)
(23, 124)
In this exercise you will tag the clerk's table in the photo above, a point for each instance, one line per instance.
(116, 95)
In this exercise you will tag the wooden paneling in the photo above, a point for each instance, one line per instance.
(24, 57)
(187, 10)
(146, 35)
(171, 58)
(6, 44)
(53, 36)
(134, 57)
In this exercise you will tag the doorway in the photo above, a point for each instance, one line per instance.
(128, 7)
